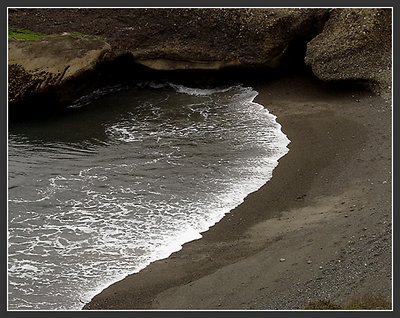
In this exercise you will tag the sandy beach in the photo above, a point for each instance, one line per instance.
(320, 229)
(318, 232)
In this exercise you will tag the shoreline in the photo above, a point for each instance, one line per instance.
(308, 226)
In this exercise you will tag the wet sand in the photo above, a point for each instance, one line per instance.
(320, 229)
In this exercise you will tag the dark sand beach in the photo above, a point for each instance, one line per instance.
(320, 229)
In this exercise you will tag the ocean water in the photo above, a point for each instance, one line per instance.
(124, 178)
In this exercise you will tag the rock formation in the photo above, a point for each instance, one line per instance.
(355, 44)
(36, 66)
(342, 44)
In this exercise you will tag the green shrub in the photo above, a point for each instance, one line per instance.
(24, 34)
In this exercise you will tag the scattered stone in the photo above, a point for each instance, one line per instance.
(282, 260)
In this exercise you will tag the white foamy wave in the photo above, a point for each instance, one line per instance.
(198, 91)
(153, 85)
(171, 168)
(89, 98)
(124, 134)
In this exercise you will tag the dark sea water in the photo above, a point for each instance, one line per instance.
(124, 180)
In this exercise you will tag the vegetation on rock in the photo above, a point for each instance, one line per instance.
(24, 35)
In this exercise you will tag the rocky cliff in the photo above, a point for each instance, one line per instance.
(342, 44)
(36, 66)
(355, 44)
